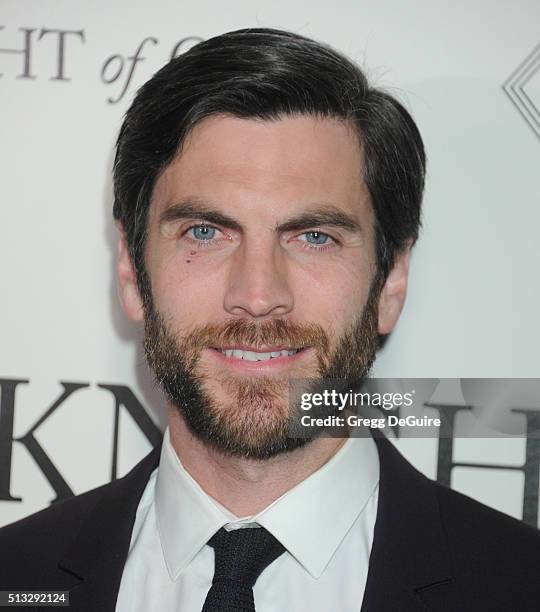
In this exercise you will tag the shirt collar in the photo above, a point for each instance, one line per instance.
(310, 520)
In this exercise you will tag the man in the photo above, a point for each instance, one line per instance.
(267, 200)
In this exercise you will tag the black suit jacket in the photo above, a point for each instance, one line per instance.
(433, 549)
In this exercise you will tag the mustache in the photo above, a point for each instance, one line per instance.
(276, 332)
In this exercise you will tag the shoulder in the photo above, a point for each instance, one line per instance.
(488, 547)
(64, 516)
(463, 515)
(34, 545)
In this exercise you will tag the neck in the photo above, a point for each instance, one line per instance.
(246, 486)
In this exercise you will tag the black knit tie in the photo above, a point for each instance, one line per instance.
(241, 556)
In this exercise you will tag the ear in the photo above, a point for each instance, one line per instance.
(393, 293)
(128, 291)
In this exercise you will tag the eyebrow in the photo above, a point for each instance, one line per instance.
(322, 214)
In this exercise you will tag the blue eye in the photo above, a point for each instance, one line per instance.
(203, 232)
(318, 237)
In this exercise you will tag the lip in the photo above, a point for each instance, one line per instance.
(270, 365)
(245, 347)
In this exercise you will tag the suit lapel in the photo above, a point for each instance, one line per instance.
(410, 565)
(96, 557)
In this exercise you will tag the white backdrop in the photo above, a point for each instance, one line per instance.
(474, 297)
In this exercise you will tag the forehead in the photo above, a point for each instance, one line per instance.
(251, 163)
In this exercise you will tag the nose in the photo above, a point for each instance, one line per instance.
(258, 283)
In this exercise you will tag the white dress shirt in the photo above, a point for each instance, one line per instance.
(325, 523)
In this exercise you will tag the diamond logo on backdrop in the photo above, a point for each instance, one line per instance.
(523, 89)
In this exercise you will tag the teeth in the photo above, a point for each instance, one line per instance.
(253, 356)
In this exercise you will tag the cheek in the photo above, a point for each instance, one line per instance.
(184, 289)
(333, 294)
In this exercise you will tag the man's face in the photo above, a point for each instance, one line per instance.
(261, 256)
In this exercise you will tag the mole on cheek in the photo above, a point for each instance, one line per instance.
(191, 253)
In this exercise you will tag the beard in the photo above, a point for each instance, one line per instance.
(253, 416)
